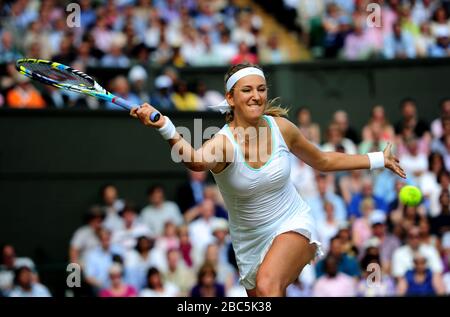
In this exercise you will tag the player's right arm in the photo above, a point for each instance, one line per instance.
(211, 156)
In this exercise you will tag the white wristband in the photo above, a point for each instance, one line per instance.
(376, 159)
(168, 130)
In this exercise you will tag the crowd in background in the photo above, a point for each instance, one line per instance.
(369, 29)
(136, 34)
(374, 245)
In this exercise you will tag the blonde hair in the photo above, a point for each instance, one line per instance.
(272, 108)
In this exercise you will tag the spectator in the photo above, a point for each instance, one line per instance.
(208, 97)
(440, 25)
(336, 141)
(325, 193)
(24, 95)
(112, 204)
(271, 52)
(420, 281)
(161, 98)
(178, 274)
(442, 46)
(190, 252)
(9, 262)
(402, 259)
(351, 184)
(358, 45)
(121, 88)
(138, 77)
(137, 261)
(159, 211)
(437, 125)
(118, 288)
(379, 126)
(334, 283)
(345, 263)
(26, 286)
(131, 229)
(226, 275)
(373, 282)
(362, 226)
(366, 192)
(99, 260)
(399, 44)
(411, 120)
(244, 55)
(156, 287)
(8, 52)
(200, 230)
(441, 224)
(85, 238)
(310, 130)
(183, 99)
(207, 285)
(327, 228)
(387, 244)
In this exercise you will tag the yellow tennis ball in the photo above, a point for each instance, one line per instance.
(410, 195)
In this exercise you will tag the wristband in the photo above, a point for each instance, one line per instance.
(168, 130)
(376, 160)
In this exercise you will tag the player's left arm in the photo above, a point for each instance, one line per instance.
(331, 161)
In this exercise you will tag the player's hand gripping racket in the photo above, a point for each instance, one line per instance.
(65, 77)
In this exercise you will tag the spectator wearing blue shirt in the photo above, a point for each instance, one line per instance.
(366, 192)
(441, 48)
(120, 87)
(99, 260)
(324, 194)
(399, 44)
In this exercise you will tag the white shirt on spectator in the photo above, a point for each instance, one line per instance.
(402, 259)
(200, 232)
(37, 290)
(155, 218)
(127, 238)
(170, 290)
(84, 239)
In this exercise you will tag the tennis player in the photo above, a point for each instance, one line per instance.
(271, 227)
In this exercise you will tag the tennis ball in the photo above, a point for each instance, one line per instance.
(410, 195)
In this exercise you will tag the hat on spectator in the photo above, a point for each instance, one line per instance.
(136, 73)
(377, 217)
(220, 224)
(163, 81)
(373, 242)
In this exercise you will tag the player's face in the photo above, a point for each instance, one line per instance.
(249, 97)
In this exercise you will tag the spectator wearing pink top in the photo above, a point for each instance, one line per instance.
(334, 284)
(118, 287)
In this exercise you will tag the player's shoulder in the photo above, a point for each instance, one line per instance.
(286, 126)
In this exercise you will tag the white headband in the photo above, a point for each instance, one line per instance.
(224, 106)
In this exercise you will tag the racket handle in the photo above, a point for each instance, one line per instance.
(154, 116)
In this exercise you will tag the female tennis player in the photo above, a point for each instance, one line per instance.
(272, 230)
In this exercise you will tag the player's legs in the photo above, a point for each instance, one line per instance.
(286, 258)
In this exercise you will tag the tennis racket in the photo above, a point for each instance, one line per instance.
(65, 77)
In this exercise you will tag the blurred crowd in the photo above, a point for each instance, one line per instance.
(373, 29)
(374, 245)
(134, 34)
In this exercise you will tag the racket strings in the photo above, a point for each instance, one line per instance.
(63, 76)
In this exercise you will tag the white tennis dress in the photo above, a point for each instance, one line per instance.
(262, 203)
